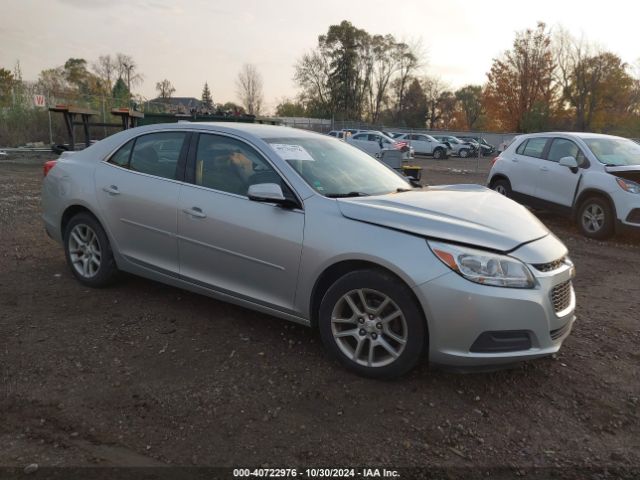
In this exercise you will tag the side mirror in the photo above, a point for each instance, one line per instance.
(568, 162)
(266, 192)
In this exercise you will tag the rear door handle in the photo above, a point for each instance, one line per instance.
(195, 212)
(111, 190)
(544, 169)
(514, 160)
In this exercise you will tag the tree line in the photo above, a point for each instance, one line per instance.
(546, 80)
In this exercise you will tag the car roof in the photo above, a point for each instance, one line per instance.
(569, 134)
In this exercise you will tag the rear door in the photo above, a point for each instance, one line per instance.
(556, 183)
(361, 140)
(232, 244)
(526, 163)
(137, 189)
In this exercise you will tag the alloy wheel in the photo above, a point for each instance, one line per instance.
(593, 218)
(84, 250)
(369, 327)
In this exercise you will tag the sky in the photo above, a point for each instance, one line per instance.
(193, 41)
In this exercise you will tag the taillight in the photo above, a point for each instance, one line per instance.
(48, 166)
(495, 159)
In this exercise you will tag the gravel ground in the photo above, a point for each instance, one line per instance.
(142, 374)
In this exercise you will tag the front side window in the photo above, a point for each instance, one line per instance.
(614, 151)
(157, 153)
(561, 147)
(230, 165)
(336, 169)
(534, 147)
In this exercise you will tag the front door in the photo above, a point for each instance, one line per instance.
(230, 243)
(557, 183)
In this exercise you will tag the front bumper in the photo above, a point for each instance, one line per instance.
(462, 314)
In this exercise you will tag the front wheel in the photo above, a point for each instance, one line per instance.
(595, 218)
(464, 153)
(438, 153)
(372, 324)
(88, 251)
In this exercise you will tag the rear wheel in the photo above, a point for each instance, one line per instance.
(88, 251)
(502, 186)
(372, 324)
(438, 153)
(464, 153)
(595, 218)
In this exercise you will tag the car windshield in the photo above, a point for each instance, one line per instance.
(614, 151)
(334, 168)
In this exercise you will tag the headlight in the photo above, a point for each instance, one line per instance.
(484, 267)
(628, 185)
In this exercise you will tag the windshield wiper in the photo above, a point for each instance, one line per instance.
(346, 195)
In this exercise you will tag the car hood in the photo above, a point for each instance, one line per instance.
(630, 172)
(468, 214)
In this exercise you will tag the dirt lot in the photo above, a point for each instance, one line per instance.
(145, 374)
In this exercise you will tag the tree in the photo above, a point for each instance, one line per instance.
(120, 91)
(127, 69)
(6, 87)
(165, 89)
(520, 87)
(290, 108)
(105, 69)
(414, 110)
(249, 89)
(312, 75)
(434, 90)
(207, 101)
(350, 64)
(470, 102)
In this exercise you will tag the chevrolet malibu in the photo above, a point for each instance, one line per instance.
(310, 229)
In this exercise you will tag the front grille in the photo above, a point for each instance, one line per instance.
(561, 296)
(559, 332)
(549, 267)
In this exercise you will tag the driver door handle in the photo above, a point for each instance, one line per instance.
(544, 169)
(195, 212)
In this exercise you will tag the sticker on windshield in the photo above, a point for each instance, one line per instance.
(292, 152)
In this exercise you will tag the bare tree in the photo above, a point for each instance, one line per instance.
(249, 89)
(105, 68)
(128, 70)
(165, 89)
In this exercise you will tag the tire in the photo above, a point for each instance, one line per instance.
(464, 153)
(438, 153)
(88, 252)
(596, 218)
(503, 187)
(389, 315)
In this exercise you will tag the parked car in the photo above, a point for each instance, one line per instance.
(426, 145)
(310, 229)
(393, 135)
(485, 147)
(457, 146)
(374, 142)
(594, 179)
(336, 133)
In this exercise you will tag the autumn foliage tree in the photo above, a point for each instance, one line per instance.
(520, 88)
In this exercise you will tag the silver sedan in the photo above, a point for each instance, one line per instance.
(307, 228)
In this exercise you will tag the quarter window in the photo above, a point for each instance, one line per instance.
(121, 157)
(229, 165)
(157, 154)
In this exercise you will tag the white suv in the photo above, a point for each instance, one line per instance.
(593, 178)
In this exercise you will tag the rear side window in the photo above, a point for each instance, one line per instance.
(157, 154)
(534, 147)
(121, 157)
